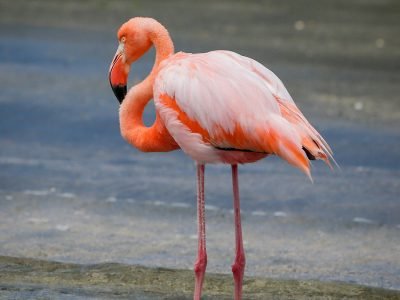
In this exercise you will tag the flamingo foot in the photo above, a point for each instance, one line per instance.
(238, 273)
(199, 271)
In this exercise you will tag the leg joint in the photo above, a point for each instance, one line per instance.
(200, 264)
(239, 264)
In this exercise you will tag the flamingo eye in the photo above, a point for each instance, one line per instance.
(123, 39)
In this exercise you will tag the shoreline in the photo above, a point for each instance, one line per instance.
(112, 280)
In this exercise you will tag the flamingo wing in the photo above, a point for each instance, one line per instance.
(221, 100)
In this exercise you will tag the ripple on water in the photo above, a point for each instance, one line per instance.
(211, 207)
(280, 214)
(180, 205)
(37, 221)
(259, 213)
(67, 195)
(37, 192)
(40, 193)
(361, 220)
(111, 199)
(62, 227)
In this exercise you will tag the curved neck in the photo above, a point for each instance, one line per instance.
(155, 138)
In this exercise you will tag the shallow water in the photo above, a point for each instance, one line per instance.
(71, 190)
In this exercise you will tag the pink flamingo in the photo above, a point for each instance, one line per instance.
(218, 107)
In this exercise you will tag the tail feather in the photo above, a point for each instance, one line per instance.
(314, 144)
(285, 145)
(313, 151)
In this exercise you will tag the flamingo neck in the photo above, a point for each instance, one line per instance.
(155, 138)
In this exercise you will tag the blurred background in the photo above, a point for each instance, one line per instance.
(72, 190)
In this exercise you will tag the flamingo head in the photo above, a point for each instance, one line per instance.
(134, 41)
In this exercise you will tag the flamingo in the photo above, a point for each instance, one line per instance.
(218, 107)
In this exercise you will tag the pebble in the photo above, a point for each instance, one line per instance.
(358, 105)
(299, 25)
(380, 43)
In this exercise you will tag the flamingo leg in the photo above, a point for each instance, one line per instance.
(240, 260)
(201, 261)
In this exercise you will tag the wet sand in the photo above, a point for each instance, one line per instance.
(49, 280)
(72, 191)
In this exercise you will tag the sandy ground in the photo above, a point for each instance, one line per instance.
(71, 190)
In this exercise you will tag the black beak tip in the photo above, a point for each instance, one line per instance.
(120, 92)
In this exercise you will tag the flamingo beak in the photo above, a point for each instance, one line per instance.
(118, 74)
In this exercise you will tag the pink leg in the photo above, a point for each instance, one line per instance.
(201, 261)
(240, 260)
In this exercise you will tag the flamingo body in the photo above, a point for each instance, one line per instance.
(221, 107)
(218, 107)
